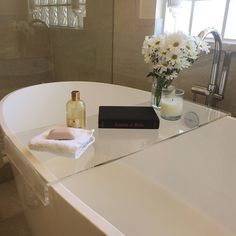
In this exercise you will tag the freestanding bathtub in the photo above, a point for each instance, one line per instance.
(178, 180)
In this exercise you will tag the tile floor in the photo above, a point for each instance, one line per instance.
(12, 219)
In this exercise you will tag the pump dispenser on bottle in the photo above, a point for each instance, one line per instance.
(75, 111)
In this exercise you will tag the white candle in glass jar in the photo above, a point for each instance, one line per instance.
(171, 106)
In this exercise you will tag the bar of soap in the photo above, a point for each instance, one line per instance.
(61, 133)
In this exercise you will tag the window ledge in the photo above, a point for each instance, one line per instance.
(227, 45)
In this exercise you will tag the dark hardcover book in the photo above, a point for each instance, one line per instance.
(127, 117)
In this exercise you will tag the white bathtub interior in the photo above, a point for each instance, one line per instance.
(44, 112)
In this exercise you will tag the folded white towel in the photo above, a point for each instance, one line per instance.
(75, 147)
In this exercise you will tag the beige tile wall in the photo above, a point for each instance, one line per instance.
(9, 10)
(86, 54)
(130, 27)
(13, 7)
(17, 47)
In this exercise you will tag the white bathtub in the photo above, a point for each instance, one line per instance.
(164, 187)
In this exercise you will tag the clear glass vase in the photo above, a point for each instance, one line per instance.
(156, 92)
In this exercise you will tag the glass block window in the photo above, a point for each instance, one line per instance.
(63, 13)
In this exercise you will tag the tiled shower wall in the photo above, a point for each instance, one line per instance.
(8, 39)
(25, 52)
(86, 54)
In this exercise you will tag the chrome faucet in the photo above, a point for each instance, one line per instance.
(214, 92)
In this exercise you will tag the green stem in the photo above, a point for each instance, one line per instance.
(157, 94)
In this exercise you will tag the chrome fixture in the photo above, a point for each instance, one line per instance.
(215, 91)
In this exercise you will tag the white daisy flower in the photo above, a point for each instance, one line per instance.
(201, 45)
(168, 54)
(173, 56)
(176, 40)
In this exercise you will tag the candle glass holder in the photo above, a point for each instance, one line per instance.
(172, 104)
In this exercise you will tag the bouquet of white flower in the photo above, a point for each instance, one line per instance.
(168, 54)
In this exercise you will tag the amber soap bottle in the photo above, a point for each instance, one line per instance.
(75, 111)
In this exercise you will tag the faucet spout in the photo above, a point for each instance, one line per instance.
(212, 86)
(214, 92)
